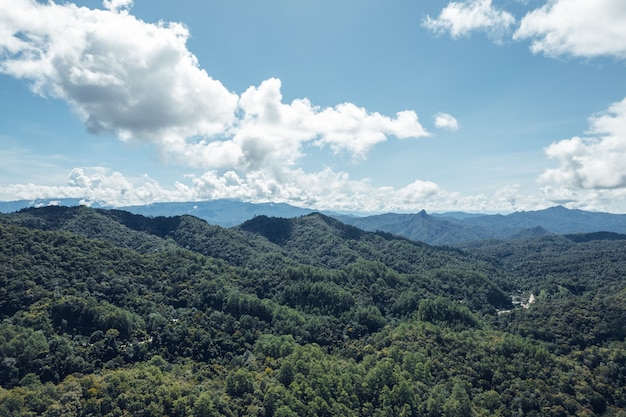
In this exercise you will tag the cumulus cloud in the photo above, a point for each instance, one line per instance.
(462, 18)
(139, 81)
(580, 28)
(117, 5)
(271, 132)
(446, 121)
(323, 190)
(101, 185)
(120, 74)
(593, 165)
(113, 188)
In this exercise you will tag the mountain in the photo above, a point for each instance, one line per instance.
(12, 206)
(220, 212)
(436, 229)
(105, 312)
(454, 229)
(223, 212)
(274, 243)
(558, 220)
(421, 226)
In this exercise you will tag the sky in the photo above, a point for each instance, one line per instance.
(490, 106)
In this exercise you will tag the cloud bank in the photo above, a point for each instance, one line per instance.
(119, 74)
(325, 190)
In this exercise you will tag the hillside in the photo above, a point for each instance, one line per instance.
(277, 244)
(222, 212)
(435, 229)
(104, 312)
(422, 227)
(583, 277)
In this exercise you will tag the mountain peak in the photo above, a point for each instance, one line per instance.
(557, 208)
(275, 229)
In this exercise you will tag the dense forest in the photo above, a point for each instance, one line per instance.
(108, 313)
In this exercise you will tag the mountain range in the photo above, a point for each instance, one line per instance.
(454, 228)
(223, 212)
(436, 229)
(104, 312)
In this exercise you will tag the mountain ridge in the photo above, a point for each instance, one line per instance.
(438, 229)
(106, 312)
(315, 240)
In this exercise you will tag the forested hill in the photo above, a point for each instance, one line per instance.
(277, 244)
(435, 229)
(104, 312)
(583, 276)
(223, 212)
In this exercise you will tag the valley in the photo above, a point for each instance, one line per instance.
(106, 312)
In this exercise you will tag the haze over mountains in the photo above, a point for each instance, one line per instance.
(450, 229)
(437, 229)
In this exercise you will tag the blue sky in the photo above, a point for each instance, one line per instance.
(476, 105)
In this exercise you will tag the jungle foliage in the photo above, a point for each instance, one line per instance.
(106, 313)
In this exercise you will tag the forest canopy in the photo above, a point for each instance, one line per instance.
(106, 313)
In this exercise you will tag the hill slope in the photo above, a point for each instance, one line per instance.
(436, 229)
(304, 316)
(222, 212)
(421, 226)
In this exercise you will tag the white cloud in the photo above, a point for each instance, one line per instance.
(101, 185)
(330, 190)
(581, 28)
(119, 74)
(461, 18)
(272, 132)
(349, 127)
(115, 5)
(593, 166)
(323, 190)
(140, 82)
(446, 121)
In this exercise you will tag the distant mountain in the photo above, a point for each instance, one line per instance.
(530, 233)
(222, 212)
(559, 220)
(460, 215)
(589, 237)
(11, 206)
(455, 228)
(436, 229)
(420, 226)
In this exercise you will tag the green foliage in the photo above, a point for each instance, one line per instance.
(442, 310)
(300, 317)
